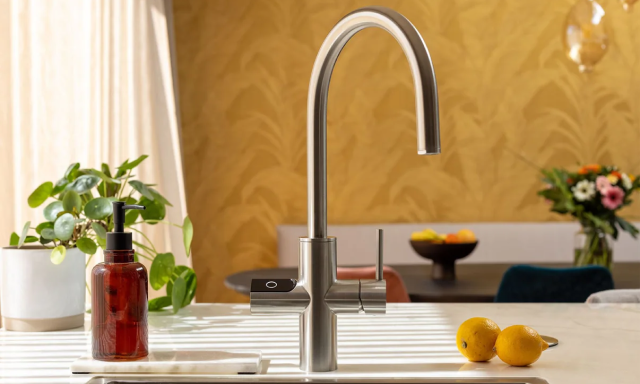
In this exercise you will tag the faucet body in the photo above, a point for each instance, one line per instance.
(318, 296)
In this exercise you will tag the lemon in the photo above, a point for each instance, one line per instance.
(466, 236)
(476, 338)
(425, 235)
(418, 236)
(519, 345)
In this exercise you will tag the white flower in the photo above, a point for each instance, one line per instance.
(626, 181)
(584, 190)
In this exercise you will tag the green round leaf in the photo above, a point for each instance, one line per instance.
(41, 194)
(103, 176)
(189, 277)
(131, 216)
(108, 189)
(130, 165)
(86, 245)
(161, 270)
(30, 239)
(72, 201)
(140, 187)
(192, 283)
(98, 208)
(51, 211)
(14, 239)
(48, 234)
(83, 183)
(64, 226)
(154, 210)
(187, 234)
(158, 196)
(44, 241)
(121, 170)
(177, 271)
(105, 169)
(159, 302)
(57, 254)
(103, 244)
(59, 187)
(43, 225)
(23, 236)
(178, 294)
(100, 231)
(69, 174)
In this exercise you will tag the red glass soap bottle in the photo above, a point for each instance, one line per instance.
(119, 297)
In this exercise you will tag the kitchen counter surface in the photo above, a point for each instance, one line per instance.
(598, 343)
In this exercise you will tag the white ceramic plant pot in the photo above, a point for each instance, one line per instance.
(38, 295)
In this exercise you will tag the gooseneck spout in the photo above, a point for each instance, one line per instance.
(317, 295)
(426, 95)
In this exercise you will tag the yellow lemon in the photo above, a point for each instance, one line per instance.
(466, 236)
(476, 338)
(419, 236)
(519, 345)
(425, 235)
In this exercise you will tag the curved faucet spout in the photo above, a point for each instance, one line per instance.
(424, 81)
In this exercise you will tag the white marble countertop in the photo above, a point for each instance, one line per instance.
(598, 343)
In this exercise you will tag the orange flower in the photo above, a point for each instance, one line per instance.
(616, 174)
(595, 168)
(631, 177)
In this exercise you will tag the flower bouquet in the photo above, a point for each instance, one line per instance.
(593, 195)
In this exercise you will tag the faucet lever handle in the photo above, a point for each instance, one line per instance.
(379, 260)
(373, 293)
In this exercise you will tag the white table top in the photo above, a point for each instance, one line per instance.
(598, 343)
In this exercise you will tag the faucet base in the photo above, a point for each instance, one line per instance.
(318, 323)
(318, 350)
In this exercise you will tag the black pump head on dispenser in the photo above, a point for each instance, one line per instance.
(119, 240)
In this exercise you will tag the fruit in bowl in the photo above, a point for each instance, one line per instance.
(443, 250)
(463, 236)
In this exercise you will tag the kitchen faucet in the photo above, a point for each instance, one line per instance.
(317, 295)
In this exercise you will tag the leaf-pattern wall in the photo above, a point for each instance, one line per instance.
(506, 90)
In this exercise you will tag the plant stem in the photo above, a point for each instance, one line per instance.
(144, 247)
(88, 261)
(157, 221)
(145, 236)
(88, 289)
(144, 256)
(123, 185)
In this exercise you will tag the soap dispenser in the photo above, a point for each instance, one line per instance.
(119, 297)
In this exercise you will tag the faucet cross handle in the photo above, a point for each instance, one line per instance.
(278, 296)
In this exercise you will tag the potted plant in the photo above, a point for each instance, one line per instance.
(78, 216)
(593, 195)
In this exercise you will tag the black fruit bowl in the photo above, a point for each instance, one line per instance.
(443, 255)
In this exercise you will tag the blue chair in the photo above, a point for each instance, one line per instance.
(529, 284)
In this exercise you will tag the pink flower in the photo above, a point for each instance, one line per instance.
(612, 197)
(602, 184)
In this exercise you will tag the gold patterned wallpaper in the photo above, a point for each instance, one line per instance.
(506, 90)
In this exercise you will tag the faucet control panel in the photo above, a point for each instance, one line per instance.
(273, 285)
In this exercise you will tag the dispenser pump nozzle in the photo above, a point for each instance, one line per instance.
(119, 239)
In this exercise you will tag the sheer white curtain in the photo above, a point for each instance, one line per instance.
(87, 81)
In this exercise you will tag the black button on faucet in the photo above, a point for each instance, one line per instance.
(272, 285)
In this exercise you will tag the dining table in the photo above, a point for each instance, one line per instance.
(474, 283)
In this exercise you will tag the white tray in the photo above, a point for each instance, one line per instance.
(176, 362)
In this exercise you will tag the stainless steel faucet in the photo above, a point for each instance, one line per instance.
(318, 296)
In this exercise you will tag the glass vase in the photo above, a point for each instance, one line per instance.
(592, 247)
